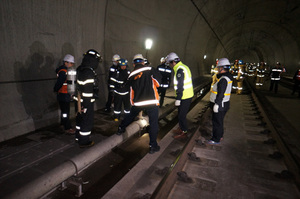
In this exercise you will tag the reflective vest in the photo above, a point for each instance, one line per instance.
(188, 91)
(214, 90)
(64, 88)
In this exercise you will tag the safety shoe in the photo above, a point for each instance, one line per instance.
(154, 149)
(182, 135)
(70, 131)
(89, 144)
(211, 142)
(120, 131)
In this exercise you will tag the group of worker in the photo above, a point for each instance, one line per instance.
(138, 90)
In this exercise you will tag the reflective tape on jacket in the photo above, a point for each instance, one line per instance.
(146, 102)
(88, 81)
(214, 90)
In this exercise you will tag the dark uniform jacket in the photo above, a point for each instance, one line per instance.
(87, 83)
(119, 79)
(165, 71)
(143, 82)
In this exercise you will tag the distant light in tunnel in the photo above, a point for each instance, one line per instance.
(148, 44)
(204, 57)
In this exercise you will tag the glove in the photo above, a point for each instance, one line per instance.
(177, 103)
(216, 108)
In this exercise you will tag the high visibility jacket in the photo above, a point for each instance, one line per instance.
(143, 82)
(188, 90)
(119, 79)
(61, 85)
(221, 93)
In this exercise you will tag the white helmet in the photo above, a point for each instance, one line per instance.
(223, 62)
(138, 58)
(116, 57)
(162, 60)
(172, 57)
(69, 58)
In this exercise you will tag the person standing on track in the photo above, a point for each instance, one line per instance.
(220, 100)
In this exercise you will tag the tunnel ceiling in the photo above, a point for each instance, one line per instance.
(253, 30)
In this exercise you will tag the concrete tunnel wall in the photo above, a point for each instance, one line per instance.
(36, 34)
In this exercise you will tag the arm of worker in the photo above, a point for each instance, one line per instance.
(180, 80)
(222, 85)
(62, 76)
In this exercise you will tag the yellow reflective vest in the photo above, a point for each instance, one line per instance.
(188, 91)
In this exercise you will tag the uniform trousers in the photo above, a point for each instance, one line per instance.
(218, 125)
(274, 83)
(152, 112)
(183, 109)
(65, 114)
(118, 101)
(162, 92)
(85, 122)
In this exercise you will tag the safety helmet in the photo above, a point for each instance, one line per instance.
(122, 62)
(172, 57)
(93, 53)
(138, 58)
(241, 62)
(224, 62)
(116, 57)
(69, 58)
(162, 60)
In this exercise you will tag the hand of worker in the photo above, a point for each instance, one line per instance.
(216, 108)
(177, 103)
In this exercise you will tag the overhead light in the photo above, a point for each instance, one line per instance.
(148, 44)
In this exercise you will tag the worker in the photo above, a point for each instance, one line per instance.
(165, 72)
(220, 100)
(184, 91)
(63, 97)
(110, 83)
(275, 77)
(87, 84)
(296, 80)
(234, 71)
(143, 81)
(240, 77)
(121, 90)
(260, 75)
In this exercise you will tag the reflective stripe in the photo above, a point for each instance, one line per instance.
(147, 102)
(72, 72)
(87, 94)
(139, 70)
(92, 100)
(113, 79)
(278, 78)
(85, 133)
(112, 69)
(78, 127)
(164, 85)
(126, 111)
(88, 81)
(125, 93)
(117, 112)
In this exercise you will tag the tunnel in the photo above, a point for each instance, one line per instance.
(36, 35)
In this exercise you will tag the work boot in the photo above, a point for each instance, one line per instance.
(182, 135)
(154, 149)
(120, 131)
(89, 144)
(70, 131)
